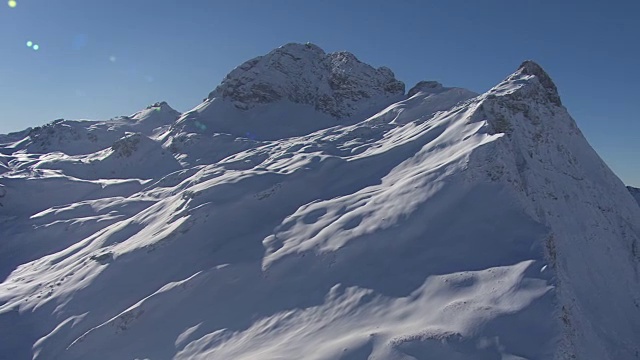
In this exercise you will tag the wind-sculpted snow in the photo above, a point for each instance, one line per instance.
(449, 225)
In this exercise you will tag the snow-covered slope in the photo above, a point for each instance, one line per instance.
(132, 156)
(73, 137)
(635, 192)
(448, 225)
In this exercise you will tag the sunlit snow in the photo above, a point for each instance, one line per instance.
(271, 222)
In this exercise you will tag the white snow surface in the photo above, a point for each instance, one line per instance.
(73, 137)
(444, 225)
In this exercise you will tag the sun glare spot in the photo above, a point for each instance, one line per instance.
(12, 3)
(36, 47)
(29, 43)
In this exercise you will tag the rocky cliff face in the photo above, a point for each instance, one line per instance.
(337, 84)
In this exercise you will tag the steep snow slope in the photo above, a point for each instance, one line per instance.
(635, 192)
(424, 100)
(447, 226)
(67, 162)
(564, 184)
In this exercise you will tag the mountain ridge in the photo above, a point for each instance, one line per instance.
(446, 224)
(288, 72)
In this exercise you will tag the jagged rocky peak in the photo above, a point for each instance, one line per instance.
(532, 74)
(528, 93)
(160, 105)
(428, 86)
(336, 83)
(530, 67)
(530, 70)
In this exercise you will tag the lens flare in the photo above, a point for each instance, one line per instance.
(12, 3)
(36, 47)
(29, 43)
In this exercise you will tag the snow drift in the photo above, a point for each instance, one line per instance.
(269, 223)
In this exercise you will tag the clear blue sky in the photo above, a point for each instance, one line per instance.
(100, 59)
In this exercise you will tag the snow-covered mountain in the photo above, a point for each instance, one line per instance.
(82, 137)
(635, 192)
(310, 209)
(294, 90)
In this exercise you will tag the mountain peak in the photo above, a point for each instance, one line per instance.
(337, 84)
(530, 67)
(298, 47)
(429, 86)
(157, 114)
(529, 81)
(160, 105)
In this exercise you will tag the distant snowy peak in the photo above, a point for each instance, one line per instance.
(635, 192)
(337, 84)
(75, 137)
(156, 111)
(155, 116)
(425, 86)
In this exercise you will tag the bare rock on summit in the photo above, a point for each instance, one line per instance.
(337, 83)
(533, 69)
